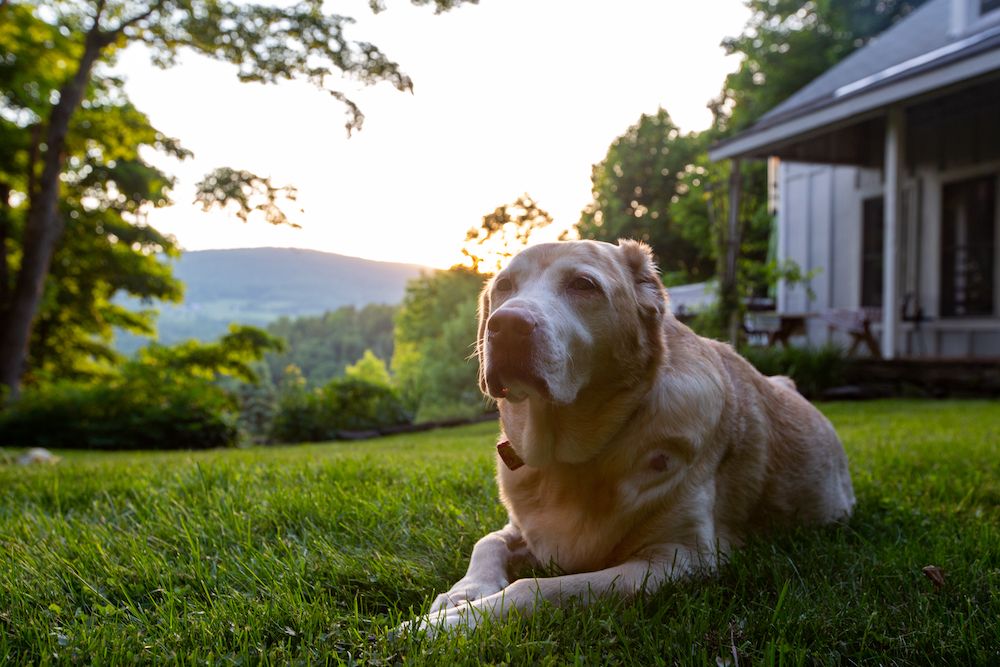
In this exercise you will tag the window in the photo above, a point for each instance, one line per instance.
(872, 242)
(968, 229)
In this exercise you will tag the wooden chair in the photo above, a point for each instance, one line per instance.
(857, 323)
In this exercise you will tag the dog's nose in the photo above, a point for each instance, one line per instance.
(511, 323)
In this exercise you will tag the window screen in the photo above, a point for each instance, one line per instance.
(968, 226)
(872, 236)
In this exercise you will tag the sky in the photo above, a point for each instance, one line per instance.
(510, 97)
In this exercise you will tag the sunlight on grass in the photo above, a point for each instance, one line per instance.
(310, 553)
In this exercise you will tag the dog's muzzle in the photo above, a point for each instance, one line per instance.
(510, 353)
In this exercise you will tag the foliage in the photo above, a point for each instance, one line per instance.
(130, 414)
(814, 369)
(232, 355)
(311, 554)
(106, 248)
(328, 413)
(503, 233)
(322, 346)
(370, 369)
(164, 398)
(257, 404)
(81, 313)
(635, 190)
(788, 43)
(705, 205)
(266, 43)
(246, 193)
(434, 361)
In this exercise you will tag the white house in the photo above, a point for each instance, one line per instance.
(888, 180)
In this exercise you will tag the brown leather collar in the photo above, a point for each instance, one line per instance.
(508, 455)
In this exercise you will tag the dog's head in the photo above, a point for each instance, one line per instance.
(565, 318)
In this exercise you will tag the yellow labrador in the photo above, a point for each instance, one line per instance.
(633, 451)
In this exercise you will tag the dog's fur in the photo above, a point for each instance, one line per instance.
(648, 451)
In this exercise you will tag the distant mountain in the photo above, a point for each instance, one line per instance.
(259, 285)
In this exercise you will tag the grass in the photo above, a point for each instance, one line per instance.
(309, 554)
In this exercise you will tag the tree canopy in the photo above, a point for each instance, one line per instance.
(503, 233)
(322, 346)
(634, 190)
(107, 186)
(434, 361)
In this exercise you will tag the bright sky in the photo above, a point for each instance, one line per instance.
(510, 96)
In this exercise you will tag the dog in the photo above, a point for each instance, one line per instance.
(632, 451)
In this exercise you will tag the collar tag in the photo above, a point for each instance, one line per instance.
(508, 455)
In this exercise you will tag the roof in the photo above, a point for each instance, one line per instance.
(916, 55)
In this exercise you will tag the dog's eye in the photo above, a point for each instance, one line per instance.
(503, 285)
(582, 284)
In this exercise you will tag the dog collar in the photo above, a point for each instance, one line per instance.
(508, 455)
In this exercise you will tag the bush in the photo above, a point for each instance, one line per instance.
(129, 415)
(814, 369)
(342, 405)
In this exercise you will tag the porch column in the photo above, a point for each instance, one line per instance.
(729, 295)
(894, 147)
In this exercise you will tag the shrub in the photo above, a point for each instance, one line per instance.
(258, 404)
(129, 415)
(814, 369)
(343, 404)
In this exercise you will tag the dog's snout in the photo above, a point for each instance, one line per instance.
(511, 322)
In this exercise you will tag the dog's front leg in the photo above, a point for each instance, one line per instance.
(489, 568)
(626, 579)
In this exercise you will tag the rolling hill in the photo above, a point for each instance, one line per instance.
(259, 285)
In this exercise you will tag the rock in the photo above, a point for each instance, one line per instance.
(38, 455)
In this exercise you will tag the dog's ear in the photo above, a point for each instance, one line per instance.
(484, 314)
(649, 292)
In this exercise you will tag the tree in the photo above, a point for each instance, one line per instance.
(788, 43)
(503, 233)
(322, 346)
(107, 248)
(233, 355)
(704, 205)
(434, 361)
(266, 43)
(370, 369)
(634, 189)
(96, 259)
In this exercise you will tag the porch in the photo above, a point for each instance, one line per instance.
(914, 116)
(919, 377)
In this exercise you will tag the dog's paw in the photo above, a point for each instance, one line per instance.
(432, 624)
(465, 591)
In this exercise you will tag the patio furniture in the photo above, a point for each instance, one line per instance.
(857, 323)
(775, 328)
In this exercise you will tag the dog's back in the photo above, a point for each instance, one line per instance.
(804, 477)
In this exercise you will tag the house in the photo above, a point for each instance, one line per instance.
(887, 170)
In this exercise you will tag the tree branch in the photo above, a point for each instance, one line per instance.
(101, 4)
(155, 7)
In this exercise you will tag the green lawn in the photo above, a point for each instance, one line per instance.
(310, 554)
